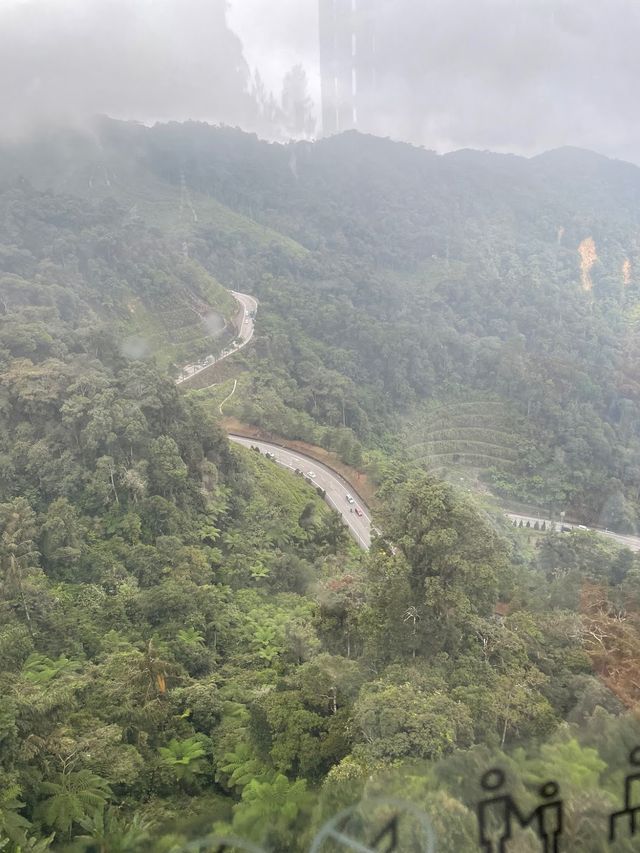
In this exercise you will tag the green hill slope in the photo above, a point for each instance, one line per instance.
(390, 277)
(96, 260)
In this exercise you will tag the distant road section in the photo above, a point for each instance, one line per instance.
(631, 542)
(336, 489)
(249, 306)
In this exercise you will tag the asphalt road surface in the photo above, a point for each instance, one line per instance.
(247, 328)
(335, 487)
(631, 542)
(250, 305)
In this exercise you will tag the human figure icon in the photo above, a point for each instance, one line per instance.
(495, 813)
(631, 808)
(549, 817)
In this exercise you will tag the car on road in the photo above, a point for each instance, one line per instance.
(358, 511)
(350, 499)
(311, 475)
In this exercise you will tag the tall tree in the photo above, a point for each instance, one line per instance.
(18, 555)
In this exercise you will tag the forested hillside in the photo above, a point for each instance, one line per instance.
(392, 279)
(441, 279)
(147, 572)
(189, 640)
(98, 262)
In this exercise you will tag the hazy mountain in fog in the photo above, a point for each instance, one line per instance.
(449, 74)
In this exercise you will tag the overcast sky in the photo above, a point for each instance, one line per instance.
(509, 75)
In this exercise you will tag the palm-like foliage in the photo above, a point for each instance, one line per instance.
(209, 533)
(72, 798)
(241, 766)
(259, 570)
(264, 641)
(183, 757)
(30, 844)
(39, 669)
(13, 826)
(191, 636)
(233, 540)
(276, 805)
(107, 832)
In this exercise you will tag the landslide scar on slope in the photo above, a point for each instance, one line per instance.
(588, 257)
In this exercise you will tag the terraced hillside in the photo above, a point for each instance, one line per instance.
(121, 272)
(175, 309)
(473, 434)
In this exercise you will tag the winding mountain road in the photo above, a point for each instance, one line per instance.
(249, 306)
(335, 487)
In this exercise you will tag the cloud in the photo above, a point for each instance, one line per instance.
(510, 75)
(277, 36)
(507, 75)
(143, 59)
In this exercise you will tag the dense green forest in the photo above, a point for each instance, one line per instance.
(189, 640)
(395, 283)
(86, 263)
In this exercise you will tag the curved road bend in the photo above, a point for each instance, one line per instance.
(247, 327)
(335, 487)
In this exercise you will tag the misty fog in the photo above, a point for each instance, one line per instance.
(512, 76)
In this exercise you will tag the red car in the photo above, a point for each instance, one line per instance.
(358, 511)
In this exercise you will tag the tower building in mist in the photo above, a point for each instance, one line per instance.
(347, 63)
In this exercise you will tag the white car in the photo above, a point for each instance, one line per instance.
(350, 499)
(311, 475)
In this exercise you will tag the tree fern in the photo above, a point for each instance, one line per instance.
(108, 831)
(183, 757)
(191, 636)
(72, 798)
(13, 826)
(39, 669)
(276, 804)
(241, 766)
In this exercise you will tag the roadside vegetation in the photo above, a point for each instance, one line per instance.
(189, 639)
